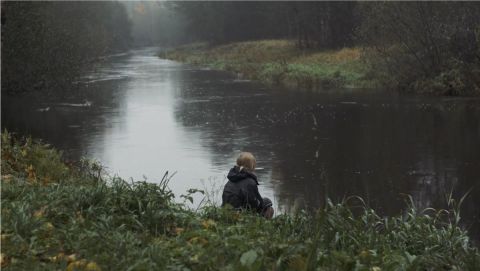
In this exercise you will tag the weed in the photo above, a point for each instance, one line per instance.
(78, 220)
(280, 62)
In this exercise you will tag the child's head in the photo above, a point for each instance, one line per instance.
(247, 161)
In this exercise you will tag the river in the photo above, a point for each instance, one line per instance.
(141, 116)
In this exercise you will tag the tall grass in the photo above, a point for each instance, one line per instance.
(280, 62)
(85, 221)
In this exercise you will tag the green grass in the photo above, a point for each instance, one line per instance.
(280, 62)
(64, 216)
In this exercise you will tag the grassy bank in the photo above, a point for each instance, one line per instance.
(280, 62)
(58, 216)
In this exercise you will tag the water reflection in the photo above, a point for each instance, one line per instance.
(319, 145)
(140, 115)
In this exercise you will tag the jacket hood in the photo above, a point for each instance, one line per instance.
(236, 175)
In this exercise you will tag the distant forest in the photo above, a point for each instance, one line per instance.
(410, 45)
(435, 41)
(46, 45)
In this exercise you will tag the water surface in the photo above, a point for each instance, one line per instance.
(141, 116)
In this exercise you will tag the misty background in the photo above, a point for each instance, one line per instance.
(52, 49)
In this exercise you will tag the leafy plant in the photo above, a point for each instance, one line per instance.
(78, 221)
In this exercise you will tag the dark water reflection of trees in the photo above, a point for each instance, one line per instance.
(379, 147)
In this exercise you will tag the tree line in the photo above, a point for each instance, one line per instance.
(45, 45)
(409, 45)
(311, 24)
(414, 45)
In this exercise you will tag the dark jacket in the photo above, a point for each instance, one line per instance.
(241, 190)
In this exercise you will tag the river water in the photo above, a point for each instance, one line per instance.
(141, 116)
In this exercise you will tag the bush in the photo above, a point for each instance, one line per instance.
(31, 160)
(429, 47)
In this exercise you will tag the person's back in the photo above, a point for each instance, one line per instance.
(241, 190)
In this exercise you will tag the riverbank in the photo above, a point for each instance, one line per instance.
(58, 215)
(280, 62)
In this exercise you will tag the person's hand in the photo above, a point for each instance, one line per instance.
(268, 213)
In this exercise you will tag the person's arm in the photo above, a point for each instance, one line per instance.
(254, 200)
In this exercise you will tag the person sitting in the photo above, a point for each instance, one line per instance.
(241, 190)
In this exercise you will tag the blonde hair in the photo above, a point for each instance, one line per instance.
(247, 161)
